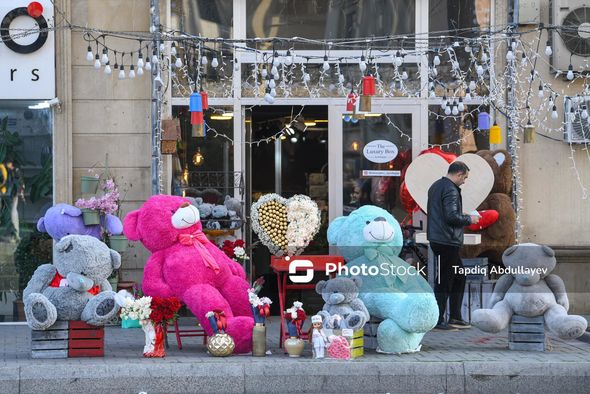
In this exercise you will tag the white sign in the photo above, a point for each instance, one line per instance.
(27, 64)
(380, 173)
(380, 151)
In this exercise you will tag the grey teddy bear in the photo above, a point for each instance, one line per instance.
(341, 298)
(532, 290)
(75, 286)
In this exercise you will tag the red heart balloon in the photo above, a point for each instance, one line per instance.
(488, 218)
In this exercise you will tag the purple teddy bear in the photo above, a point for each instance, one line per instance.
(63, 219)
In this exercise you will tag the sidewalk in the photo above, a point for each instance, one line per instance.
(450, 362)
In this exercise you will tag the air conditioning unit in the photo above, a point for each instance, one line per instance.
(572, 38)
(577, 122)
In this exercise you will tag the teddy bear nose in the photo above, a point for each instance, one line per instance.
(380, 219)
(184, 204)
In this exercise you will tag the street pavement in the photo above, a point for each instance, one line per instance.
(461, 361)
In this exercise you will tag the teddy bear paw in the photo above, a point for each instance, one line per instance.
(39, 312)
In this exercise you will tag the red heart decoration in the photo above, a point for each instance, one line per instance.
(488, 218)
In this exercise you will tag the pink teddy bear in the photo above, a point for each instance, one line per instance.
(185, 264)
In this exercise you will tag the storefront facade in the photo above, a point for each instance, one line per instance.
(102, 115)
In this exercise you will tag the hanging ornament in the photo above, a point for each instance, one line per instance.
(529, 133)
(495, 134)
(548, 50)
(365, 104)
(197, 118)
(198, 158)
(351, 101)
(483, 121)
(204, 100)
(89, 54)
(369, 85)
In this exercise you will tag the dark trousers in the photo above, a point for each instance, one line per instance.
(448, 285)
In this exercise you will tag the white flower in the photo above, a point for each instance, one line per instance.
(209, 314)
(298, 304)
(265, 301)
(239, 251)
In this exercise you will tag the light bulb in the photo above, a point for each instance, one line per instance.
(97, 62)
(484, 57)
(140, 72)
(554, 113)
(570, 72)
(548, 50)
(264, 73)
(354, 119)
(436, 60)
(306, 77)
(276, 60)
(523, 60)
(104, 59)
(268, 98)
(275, 76)
(288, 59)
(362, 64)
(510, 55)
(152, 29)
(479, 70)
(214, 62)
(444, 102)
(122, 72)
(89, 54)
(274, 70)
(131, 72)
(468, 94)
(272, 84)
(455, 110)
(434, 71)
(399, 60)
(340, 78)
(467, 48)
(204, 60)
(148, 64)
(236, 66)
(541, 91)
(472, 85)
(155, 58)
(447, 110)
(461, 106)
(326, 65)
(178, 62)
(107, 68)
(513, 44)
(173, 49)
(162, 47)
(432, 94)
(273, 92)
(140, 62)
(584, 113)
(404, 75)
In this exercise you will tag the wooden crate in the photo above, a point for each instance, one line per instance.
(85, 340)
(50, 343)
(527, 333)
(370, 334)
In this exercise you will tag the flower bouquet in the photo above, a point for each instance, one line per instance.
(220, 344)
(133, 310)
(260, 306)
(295, 317)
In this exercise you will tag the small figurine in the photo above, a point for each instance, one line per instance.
(318, 337)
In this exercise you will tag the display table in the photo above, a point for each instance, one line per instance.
(280, 266)
(420, 238)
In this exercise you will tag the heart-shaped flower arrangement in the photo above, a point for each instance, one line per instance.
(285, 226)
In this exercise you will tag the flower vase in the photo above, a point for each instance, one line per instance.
(259, 340)
(90, 217)
(294, 346)
(89, 184)
(154, 339)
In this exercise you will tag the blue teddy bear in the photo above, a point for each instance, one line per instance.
(370, 239)
(63, 219)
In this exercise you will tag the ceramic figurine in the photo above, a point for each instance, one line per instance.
(318, 337)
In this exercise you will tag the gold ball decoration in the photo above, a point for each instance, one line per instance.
(273, 219)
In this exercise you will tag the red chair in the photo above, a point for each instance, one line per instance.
(196, 332)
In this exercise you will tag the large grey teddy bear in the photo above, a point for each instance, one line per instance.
(75, 286)
(534, 291)
(341, 298)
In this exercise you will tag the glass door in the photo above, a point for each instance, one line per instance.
(368, 157)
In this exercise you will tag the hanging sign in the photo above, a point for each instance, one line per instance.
(380, 151)
(27, 61)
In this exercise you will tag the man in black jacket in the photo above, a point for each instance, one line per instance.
(445, 234)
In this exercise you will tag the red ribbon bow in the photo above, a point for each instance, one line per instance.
(199, 240)
(221, 320)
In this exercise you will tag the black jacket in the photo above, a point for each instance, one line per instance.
(445, 213)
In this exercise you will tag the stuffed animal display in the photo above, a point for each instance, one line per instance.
(341, 298)
(530, 290)
(499, 235)
(75, 286)
(63, 219)
(397, 293)
(185, 264)
(222, 216)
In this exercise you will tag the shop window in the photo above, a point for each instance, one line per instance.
(203, 17)
(26, 189)
(371, 177)
(460, 132)
(329, 19)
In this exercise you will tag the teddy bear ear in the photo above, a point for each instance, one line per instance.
(41, 225)
(334, 228)
(510, 250)
(320, 286)
(357, 281)
(548, 251)
(130, 225)
(115, 259)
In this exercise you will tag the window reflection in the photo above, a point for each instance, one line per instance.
(461, 131)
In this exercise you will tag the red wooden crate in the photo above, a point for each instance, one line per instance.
(85, 340)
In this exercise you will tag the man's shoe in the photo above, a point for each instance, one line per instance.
(442, 326)
(455, 323)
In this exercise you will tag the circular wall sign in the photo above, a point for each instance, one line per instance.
(380, 151)
(18, 48)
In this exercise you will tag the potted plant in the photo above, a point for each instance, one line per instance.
(33, 250)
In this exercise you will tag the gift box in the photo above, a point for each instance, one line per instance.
(354, 338)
